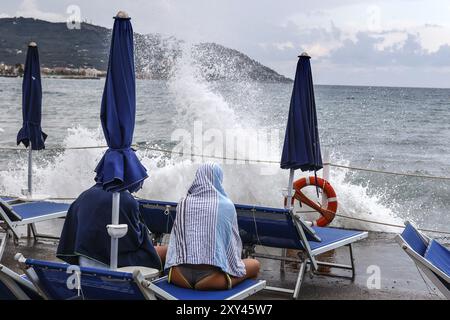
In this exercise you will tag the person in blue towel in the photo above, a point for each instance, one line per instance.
(205, 247)
(85, 240)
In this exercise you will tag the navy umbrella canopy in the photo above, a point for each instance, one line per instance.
(120, 169)
(301, 148)
(31, 132)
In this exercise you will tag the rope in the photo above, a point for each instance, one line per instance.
(387, 172)
(151, 149)
(390, 224)
(143, 147)
(210, 157)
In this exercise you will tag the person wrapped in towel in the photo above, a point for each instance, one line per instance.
(205, 249)
(85, 240)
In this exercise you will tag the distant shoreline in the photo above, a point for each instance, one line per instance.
(56, 77)
(17, 70)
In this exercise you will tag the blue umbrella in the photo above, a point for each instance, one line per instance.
(301, 148)
(119, 169)
(31, 134)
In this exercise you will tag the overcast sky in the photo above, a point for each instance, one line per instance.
(394, 43)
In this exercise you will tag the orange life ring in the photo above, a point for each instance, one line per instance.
(328, 213)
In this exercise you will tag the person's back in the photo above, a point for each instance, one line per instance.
(205, 248)
(85, 235)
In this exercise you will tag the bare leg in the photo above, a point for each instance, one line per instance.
(219, 281)
(161, 251)
(252, 267)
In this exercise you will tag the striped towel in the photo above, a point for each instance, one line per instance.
(205, 230)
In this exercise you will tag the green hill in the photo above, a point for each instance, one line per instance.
(88, 47)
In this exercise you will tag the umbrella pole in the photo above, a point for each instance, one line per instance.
(115, 230)
(115, 222)
(289, 194)
(30, 171)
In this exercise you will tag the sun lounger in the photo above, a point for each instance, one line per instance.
(432, 258)
(167, 291)
(7, 199)
(130, 283)
(52, 279)
(16, 287)
(270, 227)
(15, 214)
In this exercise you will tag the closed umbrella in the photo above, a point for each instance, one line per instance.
(119, 169)
(31, 134)
(301, 148)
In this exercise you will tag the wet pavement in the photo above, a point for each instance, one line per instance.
(378, 254)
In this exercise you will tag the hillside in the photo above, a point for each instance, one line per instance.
(88, 48)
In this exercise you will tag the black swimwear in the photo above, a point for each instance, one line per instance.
(194, 273)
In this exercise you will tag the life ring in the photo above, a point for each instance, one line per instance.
(328, 213)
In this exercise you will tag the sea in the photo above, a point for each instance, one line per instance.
(405, 130)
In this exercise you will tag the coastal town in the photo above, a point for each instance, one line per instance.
(61, 72)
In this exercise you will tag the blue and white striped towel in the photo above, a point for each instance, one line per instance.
(205, 230)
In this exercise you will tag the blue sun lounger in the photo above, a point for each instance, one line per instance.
(270, 227)
(52, 279)
(58, 281)
(167, 291)
(16, 287)
(432, 258)
(12, 285)
(7, 199)
(15, 214)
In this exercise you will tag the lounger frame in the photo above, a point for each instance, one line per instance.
(432, 273)
(151, 291)
(2, 244)
(146, 286)
(307, 256)
(111, 277)
(13, 225)
(11, 281)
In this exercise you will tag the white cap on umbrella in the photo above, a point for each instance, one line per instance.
(122, 14)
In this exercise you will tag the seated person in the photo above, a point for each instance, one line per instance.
(205, 248)
(85, 240)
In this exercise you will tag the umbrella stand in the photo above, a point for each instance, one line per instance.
(289, 190)
(30, 171)
(115, 230)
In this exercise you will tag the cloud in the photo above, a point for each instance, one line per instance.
(352, 37)
(4, 15)
(365, 52)
(29, 8)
